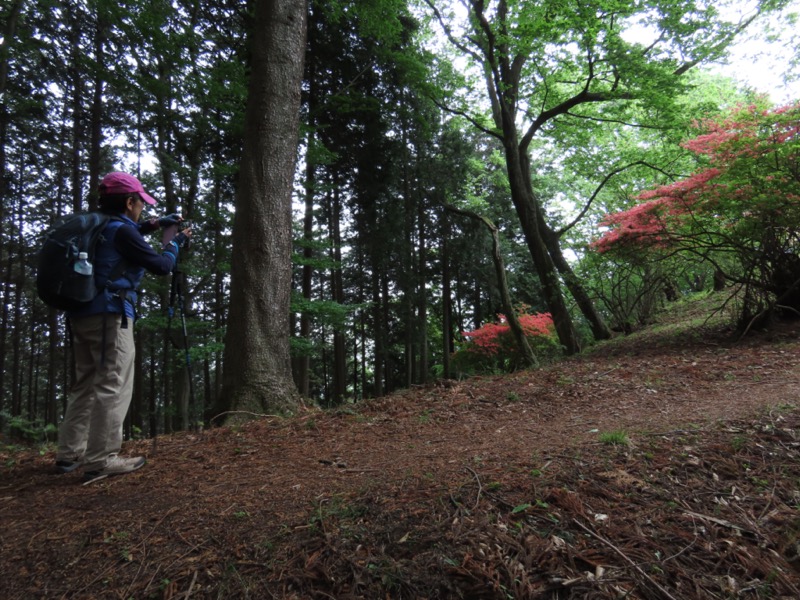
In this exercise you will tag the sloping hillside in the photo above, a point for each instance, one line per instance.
(664, 465)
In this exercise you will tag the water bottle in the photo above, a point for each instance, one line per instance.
(83, 266)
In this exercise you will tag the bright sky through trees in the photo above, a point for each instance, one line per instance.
(766, 57)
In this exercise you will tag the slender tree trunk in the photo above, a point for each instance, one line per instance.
(303, 363)
(386, 311)
(447, 303)
(153, 404)
(96, 117)
(77, 76)
(422, 298)
(17, 316)
(379, 334)
(53, 351)
(337, 289)
(257, 374)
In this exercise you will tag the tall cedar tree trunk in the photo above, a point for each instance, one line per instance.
(378, 327)
(302, 364)
(422, 298)
(257, 374)
(77, 75)
(337, 293)
(96, 117)
(5, 183)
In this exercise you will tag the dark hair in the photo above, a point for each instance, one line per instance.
(115, 202)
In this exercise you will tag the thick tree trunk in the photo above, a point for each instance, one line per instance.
(528, 213)
(598, 325)
(257, 375)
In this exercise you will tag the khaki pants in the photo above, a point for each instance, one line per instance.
(99, 400)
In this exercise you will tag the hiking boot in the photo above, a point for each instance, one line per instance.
(67, 466)
(115, 465)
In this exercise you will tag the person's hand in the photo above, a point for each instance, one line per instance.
(167, 220)
(182, 238)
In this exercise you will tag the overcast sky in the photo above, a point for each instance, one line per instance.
(764, 64)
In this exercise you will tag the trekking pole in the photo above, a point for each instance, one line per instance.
(176, 292)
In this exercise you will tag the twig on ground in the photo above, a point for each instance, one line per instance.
(243, 412)
(480, 487)
(597, 536)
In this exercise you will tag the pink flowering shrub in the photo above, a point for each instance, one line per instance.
(751, 183)
(492, 347)
(740, 211)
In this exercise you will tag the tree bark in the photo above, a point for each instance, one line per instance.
(337, 293)
(257, 372)
(596, 322)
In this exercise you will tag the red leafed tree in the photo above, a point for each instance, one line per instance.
(492, 347)
(740, 210)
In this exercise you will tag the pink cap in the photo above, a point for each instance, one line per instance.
(122, 183)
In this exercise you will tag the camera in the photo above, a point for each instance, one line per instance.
(171, 231)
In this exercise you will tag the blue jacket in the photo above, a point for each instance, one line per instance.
(120, 241)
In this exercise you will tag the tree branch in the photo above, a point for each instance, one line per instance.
(597, 190)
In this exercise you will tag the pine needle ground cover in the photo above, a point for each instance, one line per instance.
(664, 465)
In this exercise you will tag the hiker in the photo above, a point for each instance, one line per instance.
(91, 433)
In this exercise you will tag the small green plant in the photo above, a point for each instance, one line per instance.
(738, 442)
(615, 438)
(512, 397)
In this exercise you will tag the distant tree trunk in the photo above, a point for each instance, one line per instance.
(385, 325)
(134, 421)
(152, 406)
(53, 352)
(17, 315)
(5, 186)
(447, 303)
(379, 333)
(337, 293)
(77, 79)
(303, 363)
(257, 375)
(422, 297)
(96, 116)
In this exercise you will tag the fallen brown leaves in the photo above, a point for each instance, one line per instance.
(494, 488)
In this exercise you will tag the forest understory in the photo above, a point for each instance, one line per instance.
(663, 465)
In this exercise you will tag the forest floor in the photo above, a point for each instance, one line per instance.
(662, 465)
